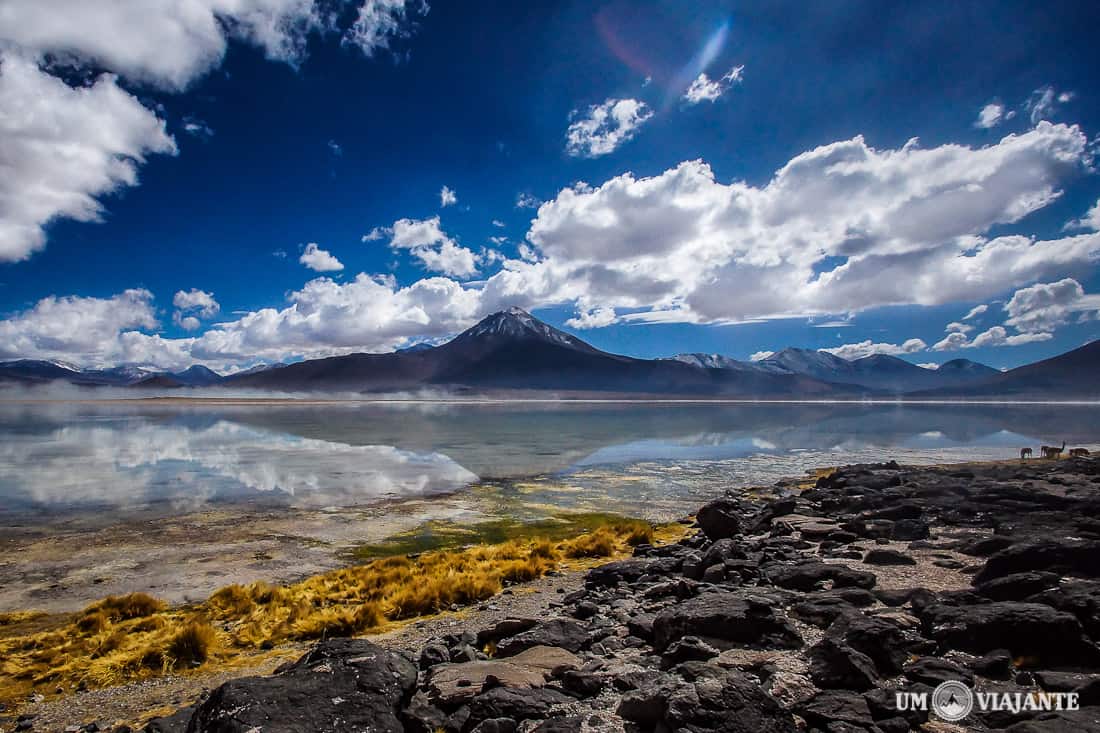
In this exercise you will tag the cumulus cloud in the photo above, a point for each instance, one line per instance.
(62, 148)
(191, 305)
(498, 223)
(162, 42)
(956, 327)
(604, 127)
(997, 336)
(704, 89)
(905, 226)
(381, 22)
(929, 365)
(761, 355)
(319, 260)
(870, 348)
(1046, 306)
(86, 330)
(196, 301)
(990, 115)
(426, 240)
(447, 197)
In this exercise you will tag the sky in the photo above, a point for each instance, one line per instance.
(233, 182)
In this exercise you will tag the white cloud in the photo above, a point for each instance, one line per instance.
(604, 127)
(929, 365)
(592, 318)
(187, 323)
(975, 311)
(906, 226)
(704, 89)
(380, 22)
(761, 355)
(990, 115)
(869, 348)
(956, 327)
(1089, 222)
(997, 336)
(447, 197)
(426, 240)
(498, 223)
(62, 148)
(1044, 307)
(335, 148)
(527, 201)
(198, 301)
(163, 42)
(319, 260)
(77, 328)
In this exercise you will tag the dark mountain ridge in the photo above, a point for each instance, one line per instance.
(514, 352)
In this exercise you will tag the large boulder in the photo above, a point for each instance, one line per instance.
(1018, 586)
(454, 684)
(559, 632)
(725, 620)
(517, 705)
(1033, 631)
(339, 685)
(808, 575)
(1081, 598)
(1065, 557)
(834, 665)
(881, 639)
(720, 518)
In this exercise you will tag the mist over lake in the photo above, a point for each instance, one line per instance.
(107, 460)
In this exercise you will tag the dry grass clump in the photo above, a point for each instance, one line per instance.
(122, 638)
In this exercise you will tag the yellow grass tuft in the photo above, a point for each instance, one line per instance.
(123, 638)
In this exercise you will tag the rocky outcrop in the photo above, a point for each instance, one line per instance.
(790, 612)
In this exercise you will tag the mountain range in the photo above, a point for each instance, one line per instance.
(512, 352)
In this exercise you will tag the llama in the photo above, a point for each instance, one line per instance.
(1078, 452)
(1049, 451)
(1025, 453)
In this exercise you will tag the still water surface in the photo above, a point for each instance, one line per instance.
(654, 460)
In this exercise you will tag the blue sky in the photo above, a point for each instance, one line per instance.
(162, 213)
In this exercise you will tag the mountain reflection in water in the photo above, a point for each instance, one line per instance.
(62, 456)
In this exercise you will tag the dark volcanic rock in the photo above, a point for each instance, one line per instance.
(881, 640)
(1029, 630)
(1017, 586)
(808, 574)
(932, 671)
(559, 632)
(720, 518)
(339, 685)
(1081, 598)
(834, 665)
(517, 705)
(613, 573)
(1066, 557)
(732, 702)
(724, 620)
(836, 705)
(887, 557)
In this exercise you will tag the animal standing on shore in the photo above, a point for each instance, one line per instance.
(1049, 451)
(1078, 452)
(1025, 453)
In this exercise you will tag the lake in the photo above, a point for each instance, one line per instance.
(181, 497)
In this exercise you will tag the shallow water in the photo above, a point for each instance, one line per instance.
(180, 499)
(644, 459)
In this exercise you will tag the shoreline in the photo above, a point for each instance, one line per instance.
(937, 579)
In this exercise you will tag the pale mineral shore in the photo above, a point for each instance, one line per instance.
(787, 610)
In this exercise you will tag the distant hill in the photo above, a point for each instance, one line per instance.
(879, 373)
(1072, 375)
(514, 352)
